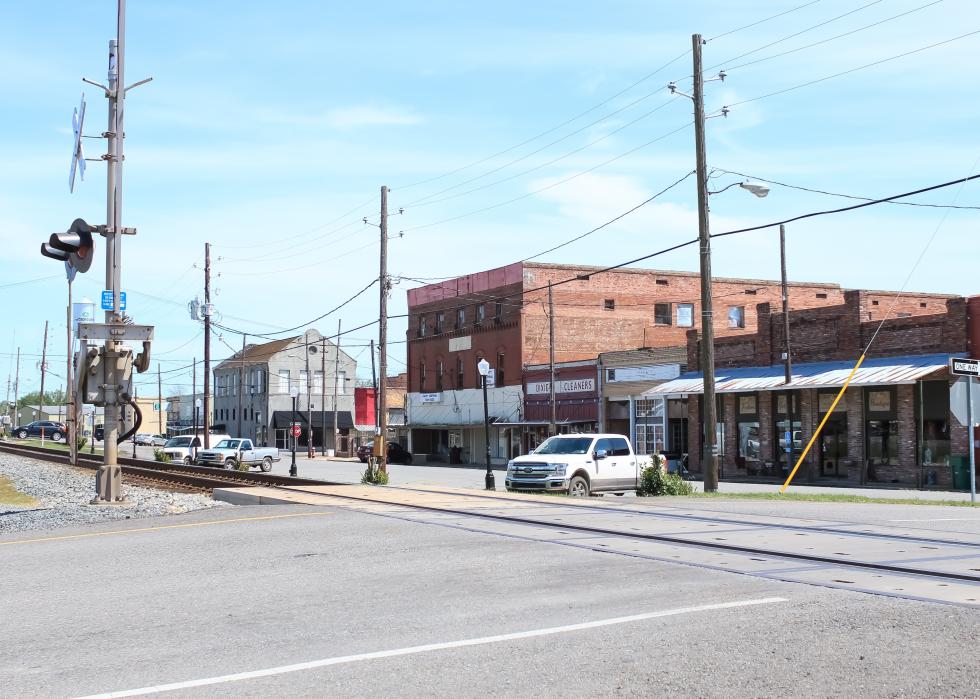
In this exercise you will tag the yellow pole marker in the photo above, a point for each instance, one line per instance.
(822, 423)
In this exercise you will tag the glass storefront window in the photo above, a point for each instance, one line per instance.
(650, 425)
(787, 428)
(748, 440)
(881, 427)
(933, 423)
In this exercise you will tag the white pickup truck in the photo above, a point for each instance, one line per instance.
(579, 464)
(229, 453)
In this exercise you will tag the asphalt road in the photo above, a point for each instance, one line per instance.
(354, 595)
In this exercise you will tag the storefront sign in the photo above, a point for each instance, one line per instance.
(567, 386)
(747, 405)
(825, 400)
(880, 401)
(430, 397)
(653, 372)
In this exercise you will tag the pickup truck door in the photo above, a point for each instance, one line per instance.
(622, 463)
(246, 450)
(606, 468)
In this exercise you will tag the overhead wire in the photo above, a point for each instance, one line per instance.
(762, 21)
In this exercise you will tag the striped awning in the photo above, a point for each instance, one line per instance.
(878, 371)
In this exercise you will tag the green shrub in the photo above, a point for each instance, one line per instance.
(374, 476)
(158, 455)
(80, 442)
(242, 466)
(653, 482)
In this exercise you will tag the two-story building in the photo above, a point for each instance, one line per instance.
(254, 389)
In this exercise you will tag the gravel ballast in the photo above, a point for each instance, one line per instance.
(63, 497)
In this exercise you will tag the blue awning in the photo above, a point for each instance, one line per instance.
(878, 371)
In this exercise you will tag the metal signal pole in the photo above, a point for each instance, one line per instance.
(16, 417)
(374, 383)
(323, 394)
(72, 413)
(382, 451)
(159, 402)
(44, 366)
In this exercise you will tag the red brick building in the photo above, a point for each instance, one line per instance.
(502, 314)
(898, 422)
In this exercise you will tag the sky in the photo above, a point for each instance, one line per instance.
(502, 129)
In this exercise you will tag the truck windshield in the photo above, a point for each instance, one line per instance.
(565, 445)
(179, 442)
(228, 444)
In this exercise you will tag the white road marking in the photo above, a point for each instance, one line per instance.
(946, 519)
(411, 650)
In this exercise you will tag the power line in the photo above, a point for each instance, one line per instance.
(854, 70)
(761, 21)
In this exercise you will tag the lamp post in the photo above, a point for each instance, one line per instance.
(294, 392)
(483, 366)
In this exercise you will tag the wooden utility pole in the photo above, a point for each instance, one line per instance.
(553, 423)
(16, 417)
(241, 387)
(374, 383)
(709, 406)
(207, 345)
(787, 362)
(159, 401)
(44, 367)
(194, 394)
(323, 394)
(382, 451)
(336, 381)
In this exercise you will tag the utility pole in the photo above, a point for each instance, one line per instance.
(709, 406)
(241, 387)
(381, 452)
(374, 383)
(159, 401)
(16, 418)
(787, 362)
(553, 425)
(207, 345)
(44, 367)
(194, 393)
(336, 382)
(323, 393)
(309, 402)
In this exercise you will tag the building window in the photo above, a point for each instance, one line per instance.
(933, 423)
(318, 382)
(341, 382)
(661, 314)
(481, 314)
(736, 316)
(662, 282)
(233, 414)
(685, 315)
(284, 381)
(422, 376)
(787, 429)
(304, 381)
(881, 427)
(749, 444)
(421, 331)
(821, 296)
(751, 292)
(440, 322)
(874, 303)
(439, 376)
(922, 304)
(499, 375)
(498, 310)
(609, 304)
(460, 318)
(459, 372)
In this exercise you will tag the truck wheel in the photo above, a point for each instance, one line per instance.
(229, 464)
(578, 488)
(266, 465)
(187, 461)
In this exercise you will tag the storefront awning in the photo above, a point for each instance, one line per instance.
(879, 371)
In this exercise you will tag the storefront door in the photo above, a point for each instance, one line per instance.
(833, 448)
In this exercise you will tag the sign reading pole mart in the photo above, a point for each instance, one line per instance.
(964, 367)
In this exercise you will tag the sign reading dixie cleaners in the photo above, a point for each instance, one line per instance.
(568, 386)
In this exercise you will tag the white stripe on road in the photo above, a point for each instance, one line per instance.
(411, 650)
(946, 519)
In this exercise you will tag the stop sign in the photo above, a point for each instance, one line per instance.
(296, 430)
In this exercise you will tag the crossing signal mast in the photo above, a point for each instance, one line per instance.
(103, 374)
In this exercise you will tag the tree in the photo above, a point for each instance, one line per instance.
(56, 397)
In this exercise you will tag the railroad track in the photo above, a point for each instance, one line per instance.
(171, 476)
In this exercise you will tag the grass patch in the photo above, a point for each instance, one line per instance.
(9, 495)
(830, 497)
(48, 444)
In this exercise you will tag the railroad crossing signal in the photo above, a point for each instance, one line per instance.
(75, 247)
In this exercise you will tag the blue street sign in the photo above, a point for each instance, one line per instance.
(107, 300)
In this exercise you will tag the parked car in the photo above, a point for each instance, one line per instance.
(158, 440)
(144, 440)
(52, 430)
(99, 433)
(579, 464)
(397, 454)
(229, 453)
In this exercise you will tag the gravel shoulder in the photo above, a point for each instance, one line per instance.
(63, 494)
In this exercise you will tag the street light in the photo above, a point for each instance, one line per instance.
(483, 366)
(294, 392)
(760, 190)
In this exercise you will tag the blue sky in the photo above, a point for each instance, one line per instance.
(269, 129)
